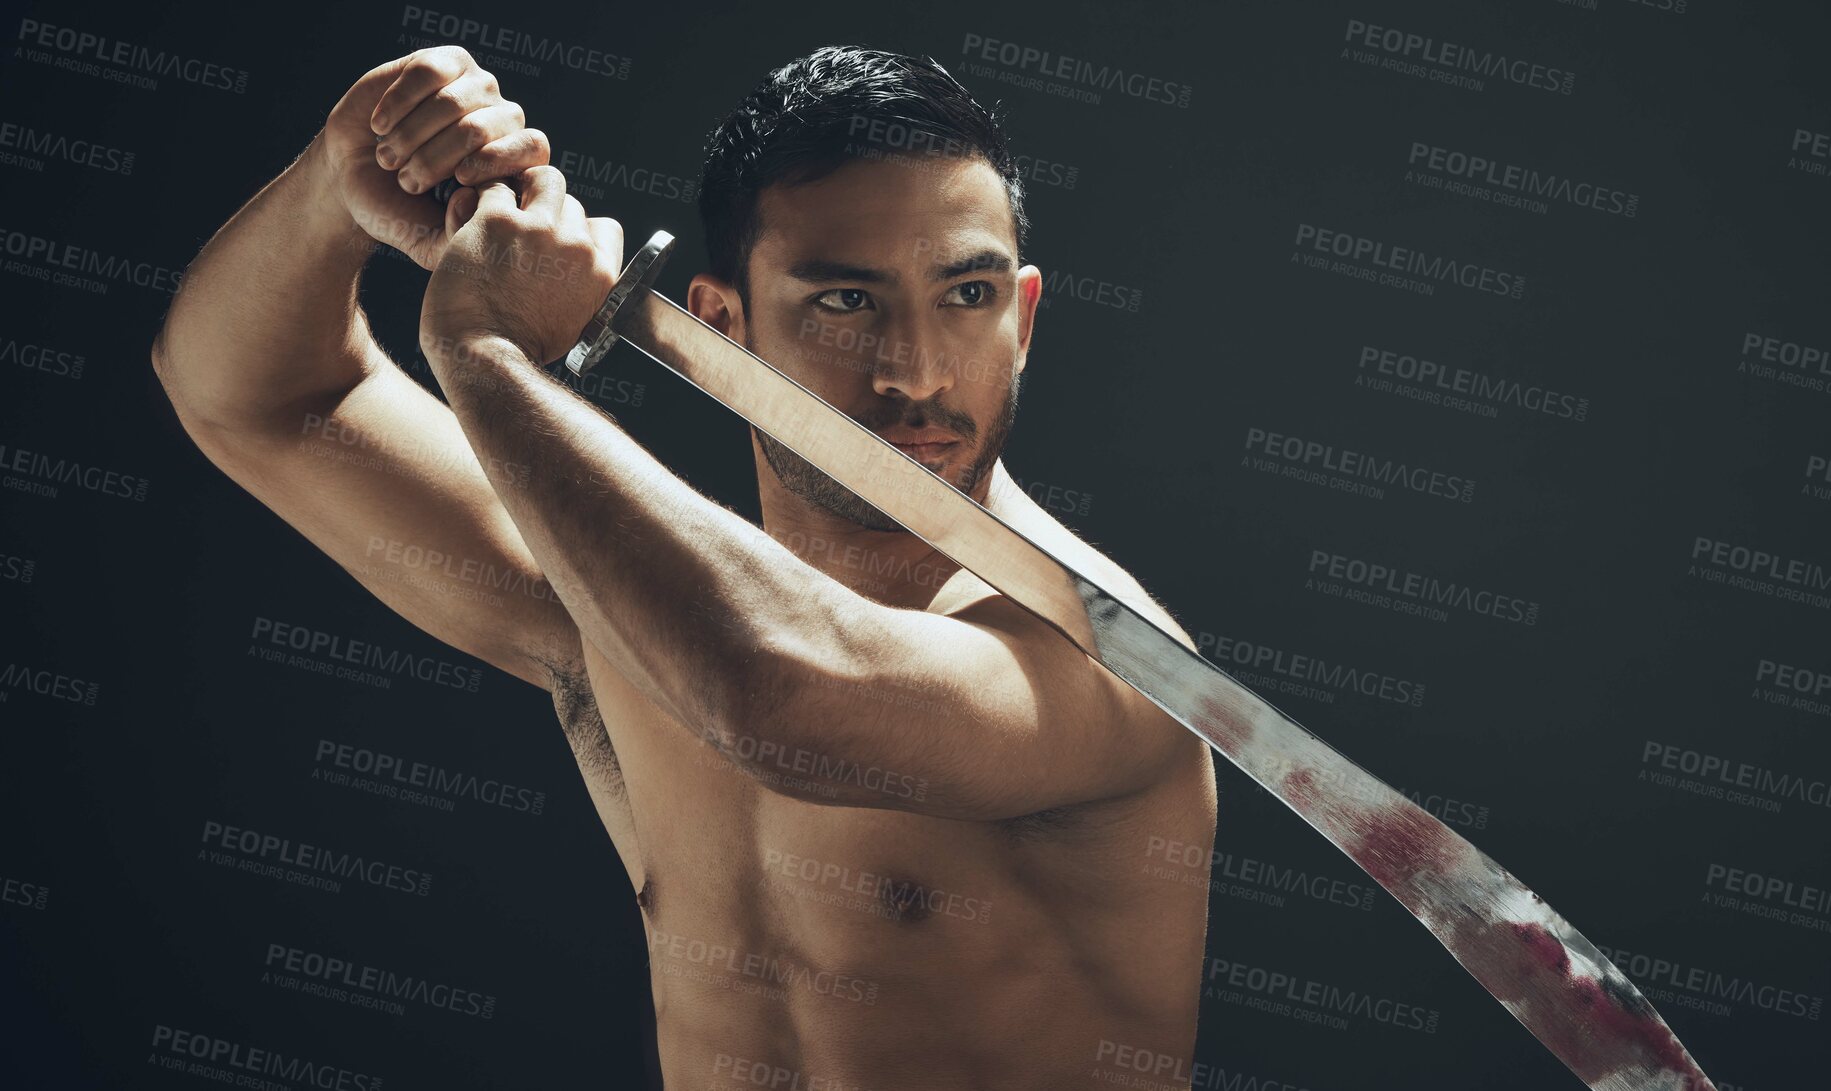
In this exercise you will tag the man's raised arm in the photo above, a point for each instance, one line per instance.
(269, 361)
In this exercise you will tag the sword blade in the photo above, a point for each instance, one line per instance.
(1555, 982)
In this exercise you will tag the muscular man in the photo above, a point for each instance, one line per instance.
(887, 829)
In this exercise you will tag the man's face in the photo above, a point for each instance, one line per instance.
(891, 289)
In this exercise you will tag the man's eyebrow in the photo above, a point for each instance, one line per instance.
(819, 271)
(985, 261)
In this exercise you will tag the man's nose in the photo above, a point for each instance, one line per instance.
(917, 368)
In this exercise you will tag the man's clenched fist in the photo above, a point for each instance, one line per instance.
(410, 124)
(528, 267)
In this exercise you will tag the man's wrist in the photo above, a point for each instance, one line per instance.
(477, 359)
(320, 203)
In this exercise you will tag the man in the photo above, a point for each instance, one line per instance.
(887, 829)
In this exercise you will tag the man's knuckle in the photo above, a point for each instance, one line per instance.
(474, 128)
(434, 60)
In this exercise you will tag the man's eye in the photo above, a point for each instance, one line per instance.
(974, 293)
(844, 299)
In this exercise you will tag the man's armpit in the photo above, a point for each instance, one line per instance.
(584, 726)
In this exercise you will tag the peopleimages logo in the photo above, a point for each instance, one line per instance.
(337, 978)
(17, 569)
(593, 177)
(1721, 778)
(307, 864)
(228, 1061)
(41, 474)
(1506, 183)
(1478, 385)
(1708, 990)
(1313, 671)
(770, 975)
(1277, 992)
(85, 52)
(1811, 149)
(1429, 592)
(395, 775)
(273, 638)
(47, 359)
(512, 48)
(47, 683)
(1202, 865)
(1088, 289)
(28, 147)
(1354, 470)
(1818, 477)
(19, 892)
(60, 263)
(1134, 1066)
(1773, 888)
(1085, 77)
(1749, 569)
(1791, 363)
(897, 899)
(1403, 263)
(1409, 54)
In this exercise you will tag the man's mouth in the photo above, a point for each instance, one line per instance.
(926, 445)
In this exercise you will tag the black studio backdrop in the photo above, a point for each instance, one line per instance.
(1468, 399)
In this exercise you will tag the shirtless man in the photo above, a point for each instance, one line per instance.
(887, 829)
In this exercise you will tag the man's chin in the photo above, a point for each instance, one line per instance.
(859, 512)
(957, 468)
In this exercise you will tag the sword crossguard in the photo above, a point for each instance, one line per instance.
(639, 275)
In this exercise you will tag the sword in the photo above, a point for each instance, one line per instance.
(1555, 982)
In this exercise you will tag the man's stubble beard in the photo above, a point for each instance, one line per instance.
(805, 480)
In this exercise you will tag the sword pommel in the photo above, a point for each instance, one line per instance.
(638, 276)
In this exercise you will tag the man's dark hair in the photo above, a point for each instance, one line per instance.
(812, 115)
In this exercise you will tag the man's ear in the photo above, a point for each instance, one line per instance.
(1029, 292)
(717, 304)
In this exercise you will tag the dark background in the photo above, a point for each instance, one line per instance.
(1531, 739)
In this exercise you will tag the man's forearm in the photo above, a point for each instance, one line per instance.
(693, 603)
(268, 312)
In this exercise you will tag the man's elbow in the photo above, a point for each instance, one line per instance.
(162, 360)
(173, 377)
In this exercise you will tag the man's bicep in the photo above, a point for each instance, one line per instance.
(990, 711)
(382, 480)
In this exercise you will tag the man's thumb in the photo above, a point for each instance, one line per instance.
(459, 209)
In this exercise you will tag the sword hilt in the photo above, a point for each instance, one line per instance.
(639, 275)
